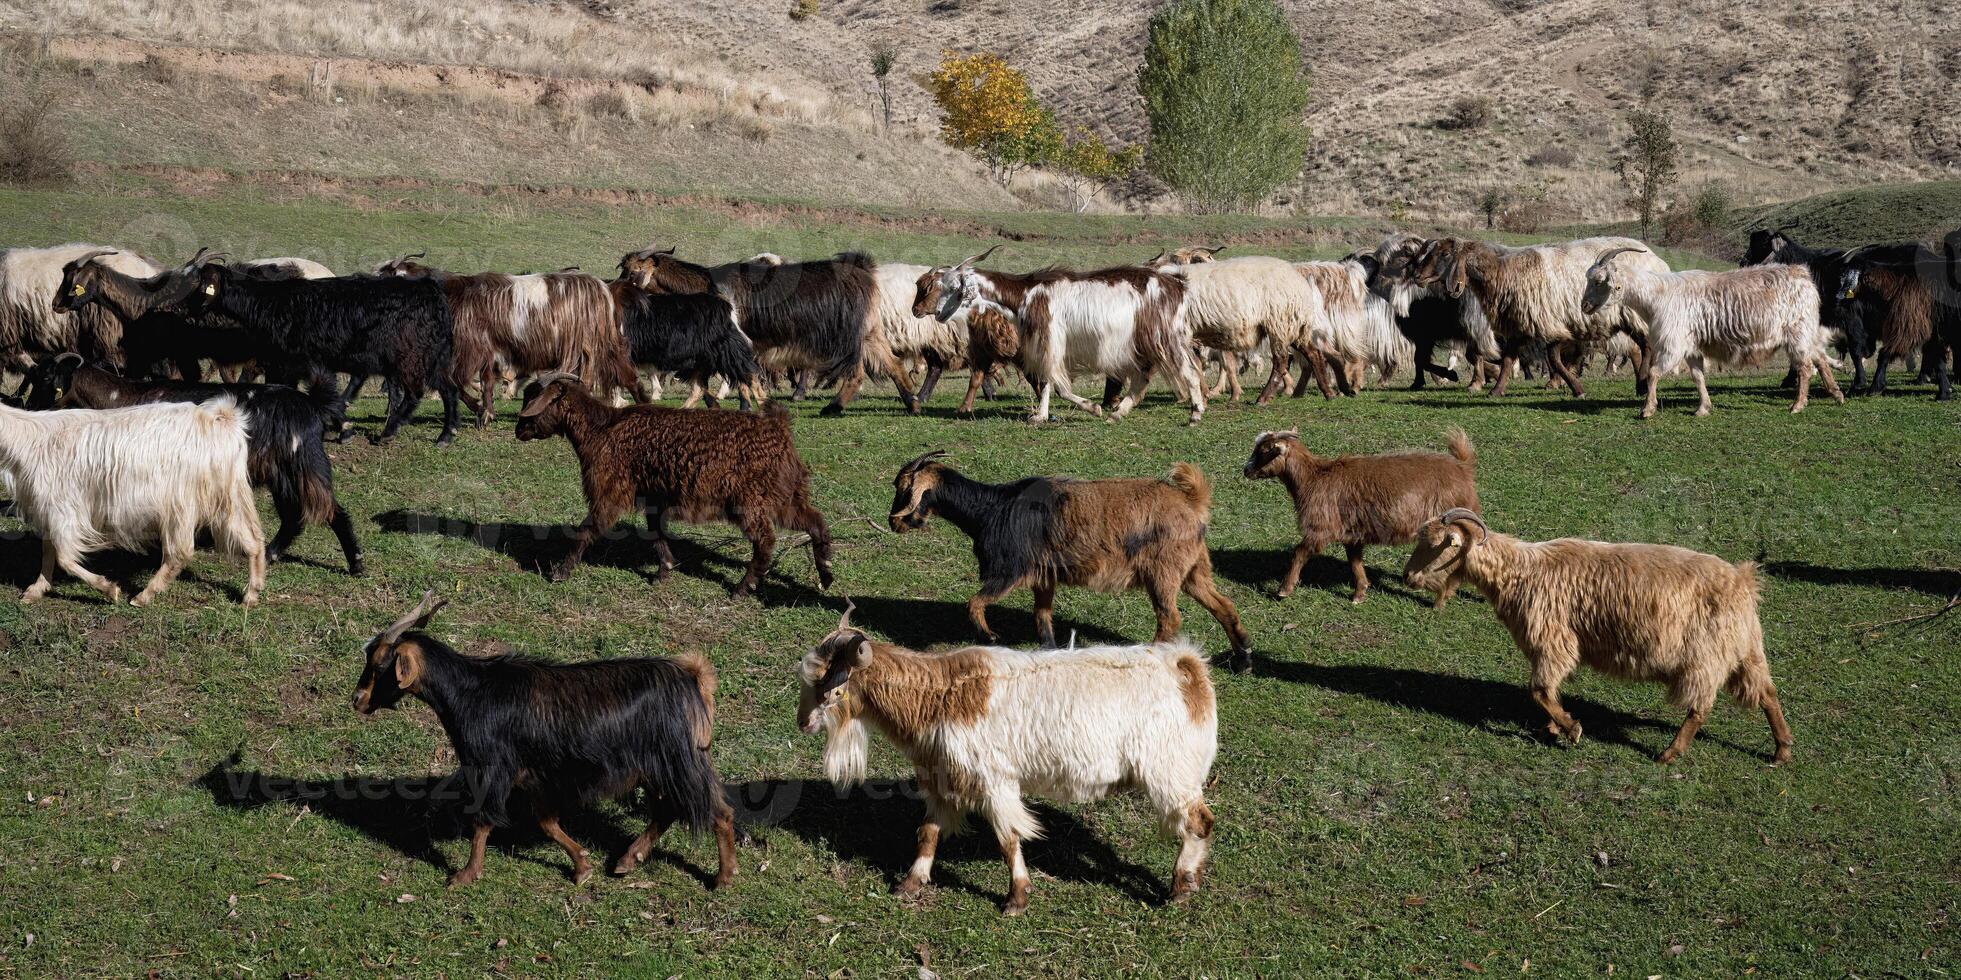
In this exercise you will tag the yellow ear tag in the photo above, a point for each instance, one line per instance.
(210, 289)
(78, 290)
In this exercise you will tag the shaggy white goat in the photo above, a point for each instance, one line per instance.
(1239, 304)
(127, 478)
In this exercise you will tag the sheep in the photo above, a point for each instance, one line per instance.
(1126, 322)
(1235, 305)
(32, 328)
(697, 466)
(284, 451)
(1739, 316)
(694, 336)
(1106, 535)
(1889, 293)
(813, 313)
(1534, 293)
(984, 725)
(1352, 327)
(561, 736)
(1363, 500)
(126, 478)
(399, 328)
(528, 324)
(1637, 611)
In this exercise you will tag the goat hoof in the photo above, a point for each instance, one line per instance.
(831, 410)
(825, 578)
(463, 877)
(1357, 598)
(1782, 756)
(142, 599)
(581, 874)
(1014, 909)
(1667, 757)
(357, 568)
(625, 866)
(910, 888)
(1184, 888)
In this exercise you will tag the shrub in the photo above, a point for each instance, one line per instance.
(1224, 88)
(611, 104)
(803, 9)
(33, 150)
(1470, 112)
(1552, 155)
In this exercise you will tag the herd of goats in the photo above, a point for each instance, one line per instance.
(112, 350)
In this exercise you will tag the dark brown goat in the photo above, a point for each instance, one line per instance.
(559, 321)
(696, 466)
(1107, 535)
(1364, 500)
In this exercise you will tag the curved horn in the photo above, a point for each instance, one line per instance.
(922, 460)
(1216, 249)
(205, 256)
(1155, 259)
(415, 619)
(844, 621)
(1610, 253)
(1456, 514)
(550, 376)
(93, 255)
(969, 263)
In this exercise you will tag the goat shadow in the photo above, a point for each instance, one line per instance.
(875, 824)
(1563, 404)
(1488, 706)
(1260, 571)
(1937, 582)
(920, 623)
(20, 564)
(627, 545)
(413, 814)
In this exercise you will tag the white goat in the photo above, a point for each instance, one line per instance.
(30, 328)
(1239, 304)
(896, 334)
(1646, 612)
(1354, 328)
(129, 477)
(1737, 316)
(983, 725)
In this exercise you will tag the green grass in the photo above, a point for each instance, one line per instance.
(1880, 213)
(1386, 802)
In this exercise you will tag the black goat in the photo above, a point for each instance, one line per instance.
(1907, 300)
(283, 448)
(811, 314)
(399, 328)
(561, 736)
(694, 336)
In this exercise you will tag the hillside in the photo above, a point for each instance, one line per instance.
(1777, 106)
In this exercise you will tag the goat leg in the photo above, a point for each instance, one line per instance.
(587, 534)
(921, 872)
(581, 867)
(343, 527)
(1686, 735)
(1360, 572)
(1557, 362)
(1199, 585)
(1774, 713)
(473, 870)
(643, 845)
(977, 610)
(1045, 616)
(1292, 578)
(762, 540)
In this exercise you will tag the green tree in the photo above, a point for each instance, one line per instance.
(884, 57)
(1647, 164)
(1086, 165)
(1224, 87)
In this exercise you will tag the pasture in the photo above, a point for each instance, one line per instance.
(186, 789)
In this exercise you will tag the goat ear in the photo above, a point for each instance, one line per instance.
(862, 651)
(408, 665)
(536, 406)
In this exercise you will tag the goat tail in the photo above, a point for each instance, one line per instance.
(1460, 446)
(703, 672)
(690, 789)
(326, 398)
(862, 260)
(1192, 483)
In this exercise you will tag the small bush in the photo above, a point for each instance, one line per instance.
(1711, 204)
(611, 104)
(803, 9)
(33, 150)
(1552, 155)
(157, 70)
(553, 98)
(1470, 112)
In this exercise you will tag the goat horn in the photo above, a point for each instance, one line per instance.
(415, 619)
(1216, 249)
(922, 460)
(844, 621)
(1456, 514)
(93, 255)
(1155, 259)
(1610, 253)
(551, 376)
(976, 258)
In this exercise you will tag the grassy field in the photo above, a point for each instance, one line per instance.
(184, 788)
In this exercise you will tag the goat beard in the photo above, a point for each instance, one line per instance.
(846, 751)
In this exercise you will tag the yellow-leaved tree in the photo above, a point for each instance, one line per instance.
(988, 109)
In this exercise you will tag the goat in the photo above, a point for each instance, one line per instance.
(1126, 322)
(1426, 316)
(1107, 535)
(984, 725)
(129, 477)
(1355, 328)
(1235, 305)
(530, 324)
(694, 336)
(1739, 316)
(561, 736)
(1363, 500)
(33, 328)
(814, 314)
(1903, 299)
(898, 335)
(1826, 266)
(1534, 293)
(697, 466)
(401, 329)
(284, 451)
(1638, 611)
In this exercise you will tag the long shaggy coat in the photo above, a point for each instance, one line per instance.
(30, 327)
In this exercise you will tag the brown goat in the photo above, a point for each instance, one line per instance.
(1364, 500)
(1647, 612)
(993, 336)
(533, 324)
(696, 465)
(1106, 535)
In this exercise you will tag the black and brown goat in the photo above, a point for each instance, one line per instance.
(693, 336)
(531, 324)
(284, 452)
(807, 314)
(562, 736)
(1364, 500)
(694, 466)
(1107, 535)
(1903, 299)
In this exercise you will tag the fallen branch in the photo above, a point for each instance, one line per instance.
(1920, 618)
